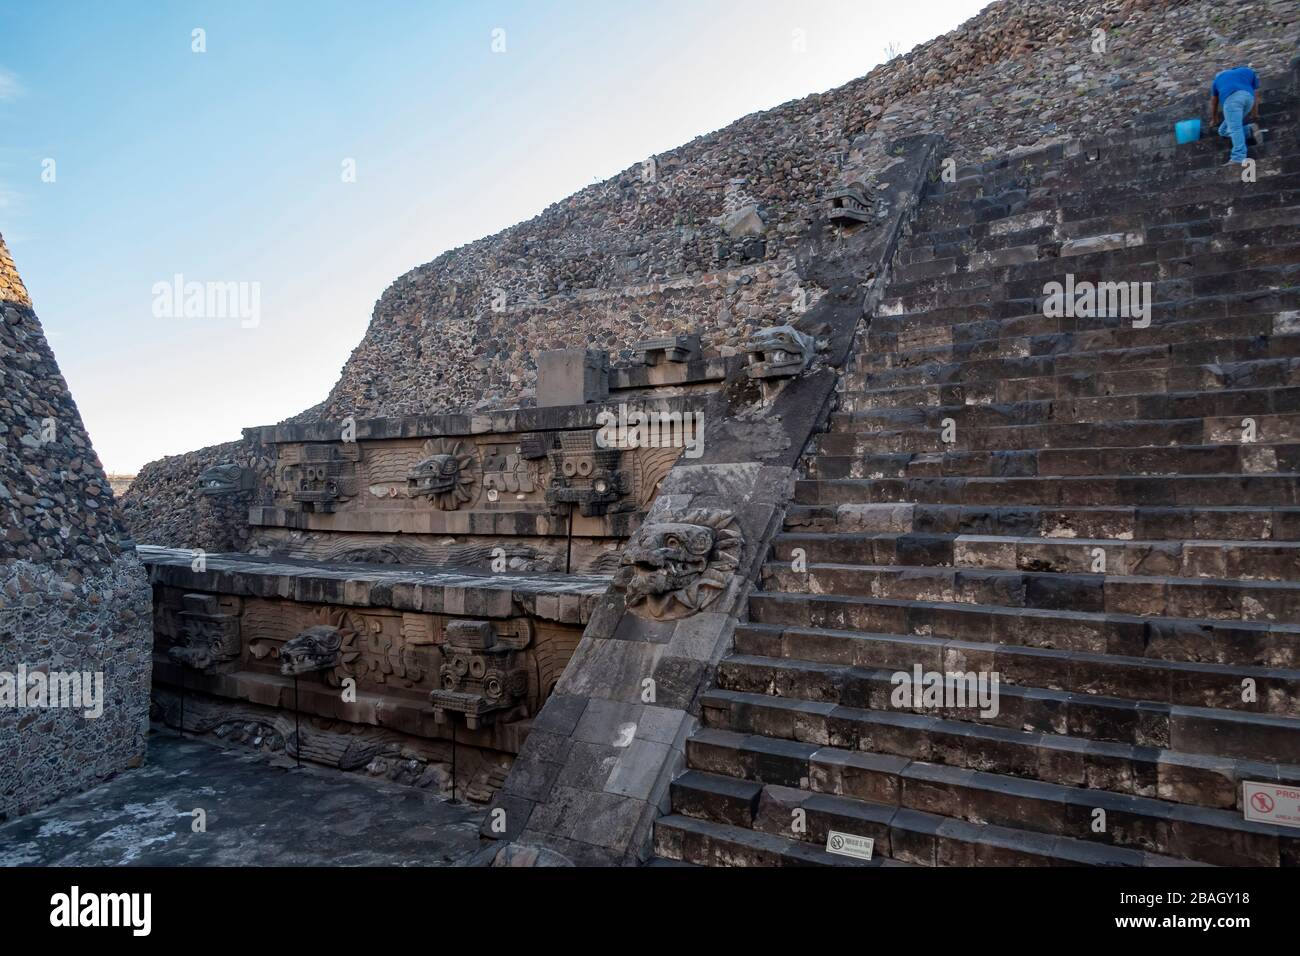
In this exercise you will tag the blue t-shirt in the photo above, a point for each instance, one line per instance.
(1230, 81)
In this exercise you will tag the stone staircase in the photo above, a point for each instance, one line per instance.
(1112, 526)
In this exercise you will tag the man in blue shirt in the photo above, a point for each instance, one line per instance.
(1234, 94)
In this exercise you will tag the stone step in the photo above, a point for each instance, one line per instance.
(1193, 640)
(883, 781)
(1238, 560)
(1149, 143)
(1231, 205)
(1163, 189)
(1142, 595)
(1084, 490)
(856, 438)
(1081, 672)
(1054, 758)
(1200, 730)
(858, 414)
(1035, 336)
(1162, 299)
(686, 839)
(1144, 137)
(983, 278)
(907, 836)
(1111, 523)
(1025, 330)
(1021, 271)
(1028, 180)
(1210, 377)
(1254, 459)
(1234, 363)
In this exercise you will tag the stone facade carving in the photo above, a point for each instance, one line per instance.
(446, 475)
(225, 478)
(586, 475)
(329, 644)
(483, 672)
(674, 567)
(849, 203)
(508, 473)
(210, 628)
(671, 348)
(323, 477)
(780, 352)
(533, 445)
(319, 648)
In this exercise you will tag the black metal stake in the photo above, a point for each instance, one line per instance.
(297, 729)
(453, 760)
(568, 542)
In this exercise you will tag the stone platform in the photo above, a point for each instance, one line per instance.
(261, 811)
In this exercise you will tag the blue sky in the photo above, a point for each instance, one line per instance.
(227, 165)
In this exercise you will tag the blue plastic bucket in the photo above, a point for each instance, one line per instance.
(1188, 131)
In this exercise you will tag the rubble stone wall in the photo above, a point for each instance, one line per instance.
(73, 595)
(702, 238)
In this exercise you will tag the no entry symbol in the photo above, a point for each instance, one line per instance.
(1262, 802)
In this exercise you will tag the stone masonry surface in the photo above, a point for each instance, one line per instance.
(702, 238)
(73, 596)
(260, 811)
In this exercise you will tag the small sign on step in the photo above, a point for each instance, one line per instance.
(1271, 803)
(846, 844)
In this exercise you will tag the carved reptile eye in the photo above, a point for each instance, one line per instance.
(672, 541)
(569, 468)
(601, 485)
(477, 668)
(584, 467)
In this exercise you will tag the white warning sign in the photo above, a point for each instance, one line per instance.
(1271, 803)
(846, 844)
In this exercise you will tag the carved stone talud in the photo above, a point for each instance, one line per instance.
(329, 646)
(446, 475)
(225, 478)
(483, 672)
(586, 475)
(316, 649)
(324, 478)
(780, 352)
(675, 567)
(210, 628)
(849, 203)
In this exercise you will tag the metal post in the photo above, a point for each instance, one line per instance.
(297, 729)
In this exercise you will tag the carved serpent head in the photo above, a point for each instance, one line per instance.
(675, 567)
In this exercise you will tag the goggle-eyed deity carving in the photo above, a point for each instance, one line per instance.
(585, 475)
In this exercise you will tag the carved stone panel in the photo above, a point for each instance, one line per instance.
(448, 474)
(482, 673)
(585, 475)
(677, 566)
(209, 631)
(319, 477)
(780, 352)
